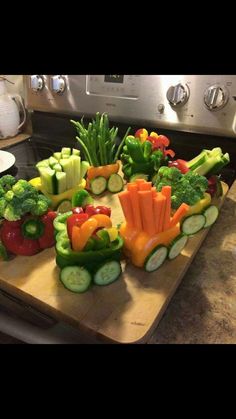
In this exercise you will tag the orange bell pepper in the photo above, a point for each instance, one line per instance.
(80, 235)
(105, 171)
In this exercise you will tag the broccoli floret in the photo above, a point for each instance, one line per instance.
(28, 205)
(198, 182)
(2, 191)
(11, 214)
(23, 189)
(7, 182)
(3, 204)
(9, 196)
(42, 205)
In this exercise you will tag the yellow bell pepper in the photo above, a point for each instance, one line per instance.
(200, 205)
(56, 199)
(154, 134)
(113, 233)
(102, 220)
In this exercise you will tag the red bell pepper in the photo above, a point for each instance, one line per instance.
(75, 220)
(160, 143)
(179, 164)
(29, 235)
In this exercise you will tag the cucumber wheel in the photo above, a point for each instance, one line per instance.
(115, 183)
(98, 185)
(75, 278)
(193, 224)
(211, 213)
(64, 206)
(107, 272)
(177, 246)
(156, 258)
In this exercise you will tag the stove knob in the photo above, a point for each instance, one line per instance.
(36, 83)
(178, 95)
(216, 97)
(58, 84)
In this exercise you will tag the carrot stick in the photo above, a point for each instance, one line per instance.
(133, 190)
(145, 186)
(166, 191)
(162, 216)
(154, 192)
(139, 181)
(158, 203)
(179, 214)
(147, 213)
(125, 201)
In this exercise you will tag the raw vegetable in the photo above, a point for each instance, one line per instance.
(209, 162)
(156, 258)
(138, 176)
(105, 171)
(75, 220)
(3, 252)
(18, 198)
(98, 185)
(75, 278)
(28, 235)
(64, 206)
(211, 213)
(193, 224)
(147, 225)
(62, 171)
(81, 198)
(215, 186)
(107, 273)
(115, 183)
(179, 214)
(177, 245)
(188, 188)
(98, 141)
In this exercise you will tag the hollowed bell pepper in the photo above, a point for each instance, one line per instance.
(15, 234)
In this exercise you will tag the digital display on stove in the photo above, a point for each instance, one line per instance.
(116, 78)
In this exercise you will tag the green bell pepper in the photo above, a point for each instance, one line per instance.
(135, 150)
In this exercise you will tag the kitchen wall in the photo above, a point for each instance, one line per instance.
(18, 86)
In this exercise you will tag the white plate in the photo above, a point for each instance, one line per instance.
(7, 160)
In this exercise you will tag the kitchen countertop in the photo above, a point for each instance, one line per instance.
(203, 309)
(14, 140)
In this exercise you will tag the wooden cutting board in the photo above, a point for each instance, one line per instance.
(126, 311)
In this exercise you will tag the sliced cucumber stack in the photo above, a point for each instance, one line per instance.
(107, 273)
(193, 224)
(211, 214)
(156, 258)
(177, 246)
(75, 278)
(98, 185)
(115, 183)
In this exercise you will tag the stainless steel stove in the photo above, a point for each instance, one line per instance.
(195, 112)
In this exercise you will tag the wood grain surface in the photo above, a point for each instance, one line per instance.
(126, 311)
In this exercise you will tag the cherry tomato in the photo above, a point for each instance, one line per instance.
(90, 210)
(104, 210)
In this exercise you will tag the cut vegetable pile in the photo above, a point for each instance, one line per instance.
(62, 171)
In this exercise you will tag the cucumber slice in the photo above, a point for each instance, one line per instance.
(156, 258)
(57, 155)
(177, 246)
(211, 213)
(52, 161)
(115, 183)
(138, 176)
(83, 169)
(98, 185)
(75, 278)
(107, 273)
(75, 152)
(61, 183)
(81, 198)
(43, 163)
(48, 179)
(68, 168)
(66, 151)
(193, 224)
(64, 206)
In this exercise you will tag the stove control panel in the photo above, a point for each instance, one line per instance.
(200, 104)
